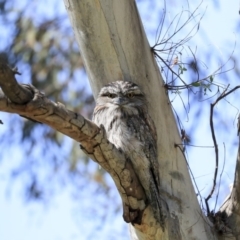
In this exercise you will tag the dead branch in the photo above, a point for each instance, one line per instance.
(224, 94)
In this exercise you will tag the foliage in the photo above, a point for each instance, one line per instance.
(43, 48)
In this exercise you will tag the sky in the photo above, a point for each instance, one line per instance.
(215, 42)
(66, 219)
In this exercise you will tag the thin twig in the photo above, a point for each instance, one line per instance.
(224, 160)
(195, 183)
(223, 95)
(191, 145)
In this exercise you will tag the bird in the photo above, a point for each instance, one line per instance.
(122, 109)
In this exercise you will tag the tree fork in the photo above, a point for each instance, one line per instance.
(27, 101)
(114, 46)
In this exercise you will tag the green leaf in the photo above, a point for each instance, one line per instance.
(196, 84)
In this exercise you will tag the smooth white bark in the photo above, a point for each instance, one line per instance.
(114, 46)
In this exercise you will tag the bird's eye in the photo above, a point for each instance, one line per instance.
(130, 95)
(111, 95)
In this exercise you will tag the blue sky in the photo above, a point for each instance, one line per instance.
(66, 219)
(213, 44)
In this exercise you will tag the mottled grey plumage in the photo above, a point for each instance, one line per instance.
(122, 109)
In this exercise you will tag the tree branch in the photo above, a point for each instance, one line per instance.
(27, 101)
(230, 207)
(224, 94)
(15, 92)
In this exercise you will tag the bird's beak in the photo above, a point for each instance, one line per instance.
(120, 101)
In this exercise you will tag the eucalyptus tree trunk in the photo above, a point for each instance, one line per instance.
(114, 46)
